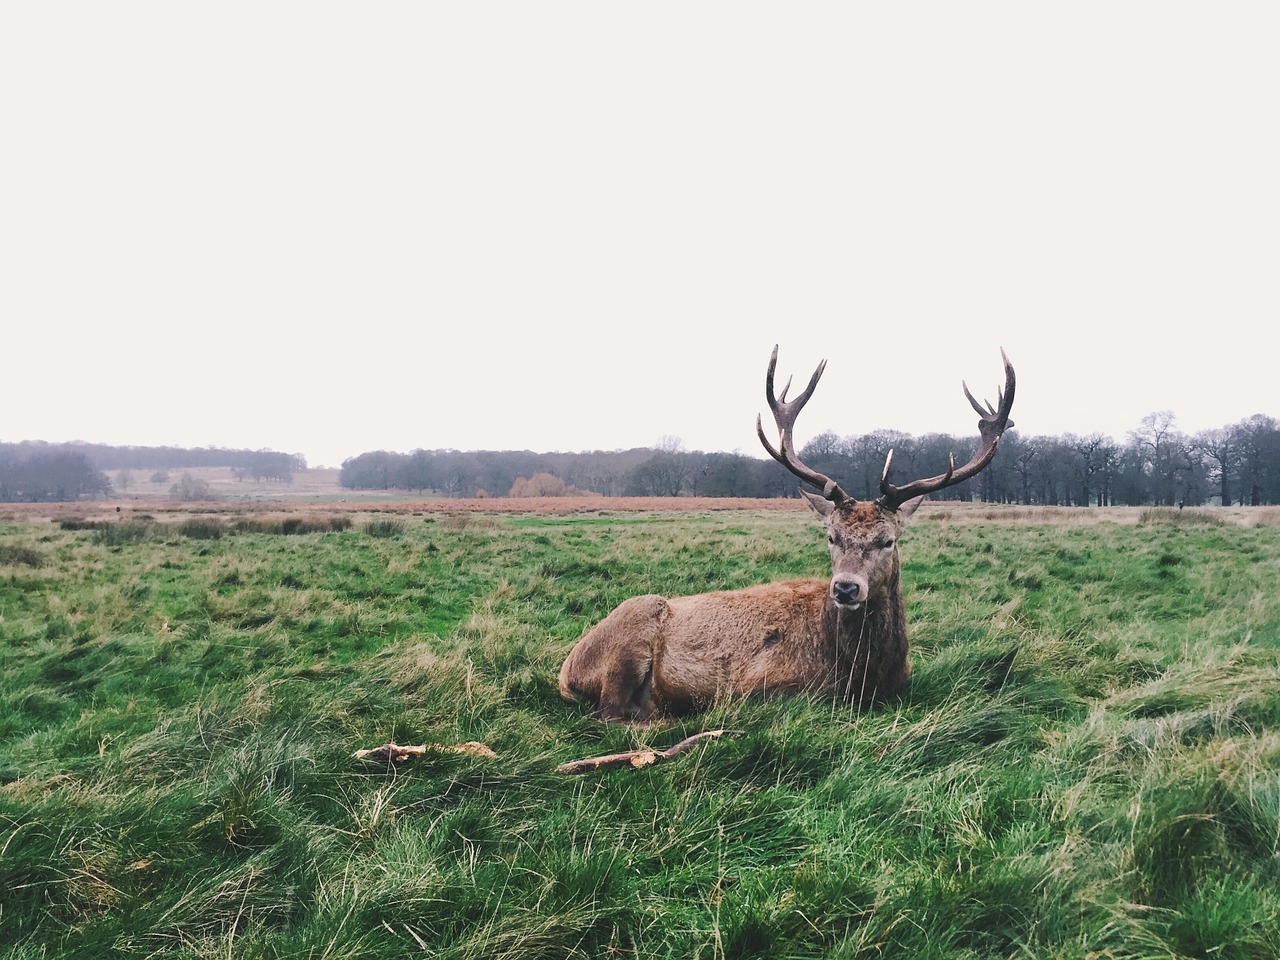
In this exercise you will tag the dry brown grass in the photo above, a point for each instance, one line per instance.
(137, 509)
(318, 493)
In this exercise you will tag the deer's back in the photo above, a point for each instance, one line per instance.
(758, 640)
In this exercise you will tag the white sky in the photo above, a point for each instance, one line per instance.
(328, 228)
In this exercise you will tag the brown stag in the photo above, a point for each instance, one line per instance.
(845, 637)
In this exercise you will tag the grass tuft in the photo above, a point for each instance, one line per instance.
(80, 523)
(17, 554)
(202, 528)
(384, 529)
(1177, 516)
(126, 532)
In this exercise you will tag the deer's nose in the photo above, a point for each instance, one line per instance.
(847, 593)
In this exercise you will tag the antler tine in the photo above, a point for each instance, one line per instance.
(989, 412)
(784, 415)
(991, 426)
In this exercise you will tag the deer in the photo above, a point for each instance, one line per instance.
(844, 638)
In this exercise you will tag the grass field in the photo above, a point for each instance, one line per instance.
(1088, 763)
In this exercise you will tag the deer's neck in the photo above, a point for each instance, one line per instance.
(871, 646)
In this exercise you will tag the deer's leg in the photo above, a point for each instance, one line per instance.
(628, 690)
(612, 665)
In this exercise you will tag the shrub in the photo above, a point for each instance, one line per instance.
(542, 485)
(190, 488)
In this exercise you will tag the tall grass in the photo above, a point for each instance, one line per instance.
(1087, 765)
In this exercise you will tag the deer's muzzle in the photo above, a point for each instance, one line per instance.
(849, 591)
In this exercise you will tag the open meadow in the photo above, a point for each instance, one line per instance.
(1087, 764)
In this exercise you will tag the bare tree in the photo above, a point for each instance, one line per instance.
(1220, 449)
(1260, 459)
(1090, 460)
(1161, 445)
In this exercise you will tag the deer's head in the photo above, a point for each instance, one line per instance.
(863, 534)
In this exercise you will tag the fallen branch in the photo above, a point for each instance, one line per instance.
(636, 759)
(395, 753)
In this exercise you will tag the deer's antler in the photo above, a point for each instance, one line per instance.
(784, 414)
(993, 423)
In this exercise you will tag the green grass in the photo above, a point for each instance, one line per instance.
(1088, 763)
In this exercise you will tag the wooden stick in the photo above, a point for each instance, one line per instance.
(394, 753)
(636, 759)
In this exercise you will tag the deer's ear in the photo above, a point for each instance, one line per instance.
(908, 508)
(821, 505)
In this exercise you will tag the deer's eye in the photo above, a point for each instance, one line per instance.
(831, 539)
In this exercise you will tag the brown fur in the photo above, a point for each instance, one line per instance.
(655, 656)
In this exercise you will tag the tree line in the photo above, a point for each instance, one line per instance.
(1157, 464)
(50, 476)
(33, 471)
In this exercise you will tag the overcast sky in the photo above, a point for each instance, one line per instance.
(327, 228)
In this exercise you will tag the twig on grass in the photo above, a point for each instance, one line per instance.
(395, 753)
(636, 759)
